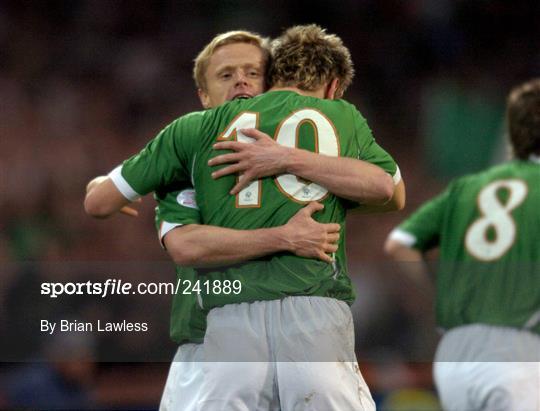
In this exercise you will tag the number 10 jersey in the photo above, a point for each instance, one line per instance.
(180, 153)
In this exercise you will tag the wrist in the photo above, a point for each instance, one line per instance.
(295, 160)
(281, 239)
(289, 160)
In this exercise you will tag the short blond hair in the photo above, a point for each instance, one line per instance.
(307, 57)
(223, 39)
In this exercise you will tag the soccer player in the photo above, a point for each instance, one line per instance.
(488, 281)
(231, 66)
(303, 301)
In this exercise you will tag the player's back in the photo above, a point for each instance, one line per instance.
(330, 127)
(180, 154)
(293, 120)
(495, 213)
(489, 248)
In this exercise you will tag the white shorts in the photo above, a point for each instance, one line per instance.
(184, 380)
(290, 354)
(281, 355)
(481, 367)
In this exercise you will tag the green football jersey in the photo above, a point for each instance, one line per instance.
(487, 226)
(188, 319)
(181, 153)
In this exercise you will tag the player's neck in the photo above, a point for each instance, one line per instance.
(319, 93)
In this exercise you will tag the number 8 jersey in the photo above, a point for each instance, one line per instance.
(487, 226)
(180, 153)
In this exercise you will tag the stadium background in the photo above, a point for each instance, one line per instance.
(84, 84)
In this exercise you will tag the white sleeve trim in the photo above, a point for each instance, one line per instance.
(403, 237)
(164, 229)
(122, 185)
(397, 176)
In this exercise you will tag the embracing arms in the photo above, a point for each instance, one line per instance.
(350, 178)
(199, 245)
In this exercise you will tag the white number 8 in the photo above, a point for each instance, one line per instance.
(497, 216)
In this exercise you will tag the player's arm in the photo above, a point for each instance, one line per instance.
(349, 178)
(356, 180)
(190, 243)
(373, 153)
(419, 233)
(399, 246)
(163, 161)
(104, 199)
(397, 202)
(401, 251)
(206, 246)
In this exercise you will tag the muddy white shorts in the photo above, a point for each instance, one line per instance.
(291, 354)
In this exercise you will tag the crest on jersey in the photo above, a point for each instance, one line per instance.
(186, 198)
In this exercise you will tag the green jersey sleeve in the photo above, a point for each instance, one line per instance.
(421, 229)
(164, 161)
(175, 209)
(370, 151)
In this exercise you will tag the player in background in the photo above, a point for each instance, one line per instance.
(488, 282)
(272, 285)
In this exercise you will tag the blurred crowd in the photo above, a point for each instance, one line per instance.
(84, 84)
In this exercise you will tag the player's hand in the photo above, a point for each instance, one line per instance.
(309, 238)
(130, 211)
(264, 157)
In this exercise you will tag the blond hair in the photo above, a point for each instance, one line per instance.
(223, 39)
(307, 57)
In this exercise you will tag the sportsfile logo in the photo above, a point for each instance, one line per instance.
(109, 287)
(119, 287)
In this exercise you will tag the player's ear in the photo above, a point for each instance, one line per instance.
(204, 97)
(331, 90)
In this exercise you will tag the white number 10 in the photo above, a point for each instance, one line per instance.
(287, 134)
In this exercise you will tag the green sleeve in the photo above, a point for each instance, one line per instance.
(178, 208)
(368, 149)
(165, 160)
(425, 224)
